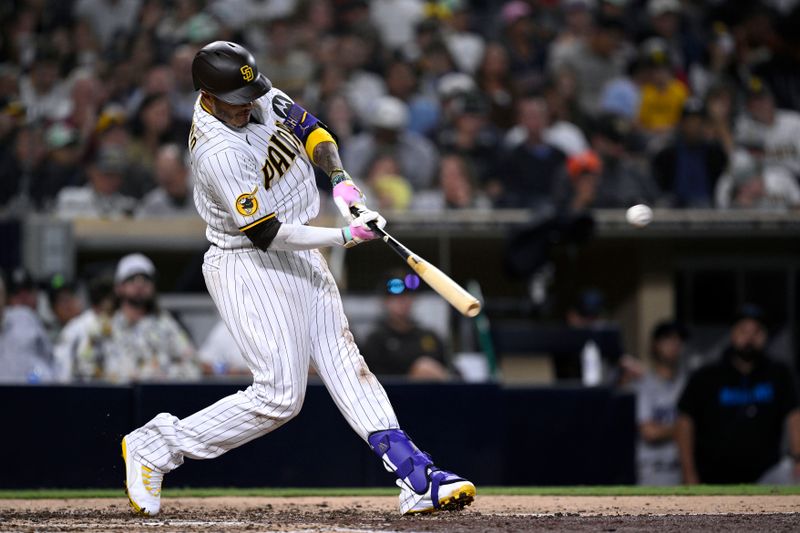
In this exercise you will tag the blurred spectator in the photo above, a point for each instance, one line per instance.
(391, 190)
(732, 412)
(423, 110)
(720, 105)
(23, 158)
(22, 289)
(470, 135)
(528, 174)
(688, 168)
(286, 65)
(662, 94)
(664, 22)
(363, 87)
(750, 184)
(583, 355)
(657, 407)
(622, 96)
(220, 355)
(458, 188)
(42, 91)
(62, 166)
(65, 304)
(183, 96)
(577, 27)
(83, 347)
(25, 351)
(465, 46)
(395, 20)
(416, 155)
(580, 190)
(100, 197)
(173, 196)
(495, 80)
(563, 131)
(108, 19)
(153, 126)
(623, 181)
(526, 54)
(594, 61)
(779, 128)
(147, 342)
(398, 346)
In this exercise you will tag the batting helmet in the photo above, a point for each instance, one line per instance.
(229, 72)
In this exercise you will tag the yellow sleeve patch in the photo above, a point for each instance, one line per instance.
(257, 222)
(247, 203)
(319, 135)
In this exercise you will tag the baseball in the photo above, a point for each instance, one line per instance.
(639, 215)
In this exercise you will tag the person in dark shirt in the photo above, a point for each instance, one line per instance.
(688, 168)
(398, 346)
(732, 412)
(528, 174)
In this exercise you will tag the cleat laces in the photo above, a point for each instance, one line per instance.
(152, 480)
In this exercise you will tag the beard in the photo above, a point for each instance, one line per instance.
(749, 353)
(145, 303)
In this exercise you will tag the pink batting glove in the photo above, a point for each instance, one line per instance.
(346, 195)
(358, 231)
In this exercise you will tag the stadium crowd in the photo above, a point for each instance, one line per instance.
(561, 105)
(569, 104)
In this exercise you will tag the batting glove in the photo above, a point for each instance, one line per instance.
(346, 194)
(358, 231)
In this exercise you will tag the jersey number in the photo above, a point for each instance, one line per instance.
(282, 150)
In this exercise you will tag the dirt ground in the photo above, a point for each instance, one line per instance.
(361, 514)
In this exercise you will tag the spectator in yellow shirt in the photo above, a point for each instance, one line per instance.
(663, 95)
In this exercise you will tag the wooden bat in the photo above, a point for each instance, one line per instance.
(448, 289)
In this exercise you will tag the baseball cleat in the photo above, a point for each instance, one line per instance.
(142, 484)
(440, 496)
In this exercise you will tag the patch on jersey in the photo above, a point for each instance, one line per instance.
(247, 73)
(247, 203)
(281, 105)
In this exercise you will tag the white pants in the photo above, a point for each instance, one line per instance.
(284, 311)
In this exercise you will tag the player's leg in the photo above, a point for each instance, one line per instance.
(258, 297)
(363, 402)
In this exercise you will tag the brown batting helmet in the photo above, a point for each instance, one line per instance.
(228, 71)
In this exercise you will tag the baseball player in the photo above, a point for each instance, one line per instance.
(252, 151)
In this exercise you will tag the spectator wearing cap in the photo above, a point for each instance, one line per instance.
(752, 185)
(732, 412)
(101, 196)
(25, 351)
(147, 342)
(173, 196)
(424, 114)
(398, 346)
(465, 46)
(688, 168)
(594, 61)
(622, 180)
(528, 173)
(579, 191)
(42, 91)
(779, 128)
(657, 396)
(663, 95)
(23, 290)
(416, 155)
(83, 346)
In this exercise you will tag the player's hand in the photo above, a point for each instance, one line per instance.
(358, 231)
(346, 194)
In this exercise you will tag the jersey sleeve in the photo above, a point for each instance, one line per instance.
(238, 184)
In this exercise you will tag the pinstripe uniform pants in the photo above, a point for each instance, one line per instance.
(285, 312)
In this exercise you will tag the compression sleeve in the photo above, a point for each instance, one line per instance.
(307, 128)
(294, 237)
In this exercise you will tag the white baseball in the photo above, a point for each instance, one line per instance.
(639, 215)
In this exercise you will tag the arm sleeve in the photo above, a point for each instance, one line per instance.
(295, 237)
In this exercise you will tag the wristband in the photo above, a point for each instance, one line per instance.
(347, 234)
(338, 175)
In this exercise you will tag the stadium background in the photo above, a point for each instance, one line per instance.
(102, 83)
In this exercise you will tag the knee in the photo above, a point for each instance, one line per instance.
(278, 403)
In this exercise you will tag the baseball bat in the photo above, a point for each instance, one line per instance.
(464, 302)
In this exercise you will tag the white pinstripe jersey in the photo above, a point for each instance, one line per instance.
(243, 175)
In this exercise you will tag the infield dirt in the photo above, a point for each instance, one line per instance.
(357, 514)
